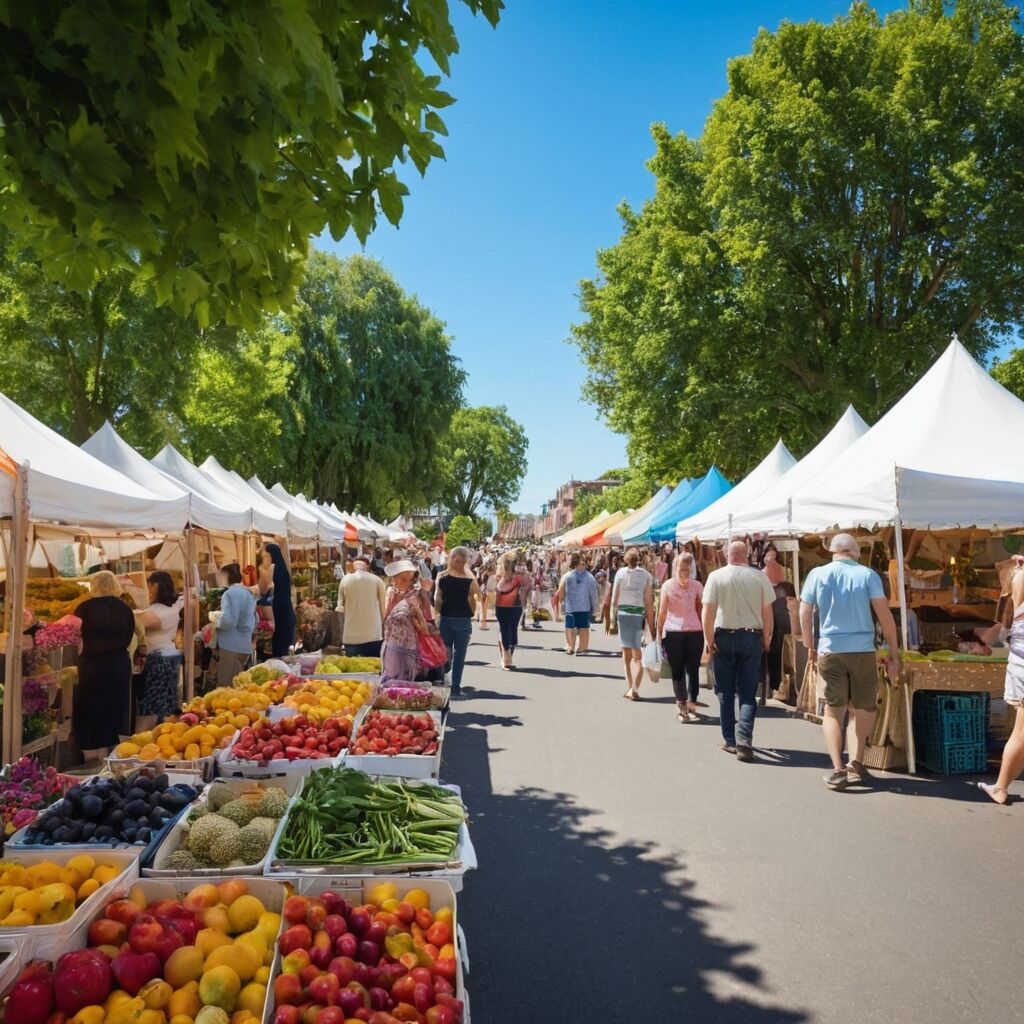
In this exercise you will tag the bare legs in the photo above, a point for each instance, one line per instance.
(483, 610)
(584, 635)
(857, 731)
(570, 641)
(633, 668)
(1012, 763)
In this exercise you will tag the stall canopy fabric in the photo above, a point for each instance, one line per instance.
(701, 494)
(572, 538)
(303, 523)
(640, 530)
(943, 457)
(616, 533)
(332, 519)
(268, 517)
(171, 462)
(68, 485)
(596, 537)
(110, 448)
(769, 513)
(713, 521)
(328, 530)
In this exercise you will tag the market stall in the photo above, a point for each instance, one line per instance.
(624, 527)
(662, 525)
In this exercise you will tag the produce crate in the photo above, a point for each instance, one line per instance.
(943, 719)
(441, 894)
(965, 759)
(406, 766)
(12, 950)
(172, 841)
(204, 767)
(48, 941)
(231, 768)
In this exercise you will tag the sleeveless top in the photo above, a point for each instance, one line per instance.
(455, 597)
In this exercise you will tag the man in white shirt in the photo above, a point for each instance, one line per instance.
(361, 598)
(738, 624)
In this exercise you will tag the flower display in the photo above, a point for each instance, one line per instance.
(310, 624)
(264, 636)
(25, 789)
(66, 632)
(408, 697)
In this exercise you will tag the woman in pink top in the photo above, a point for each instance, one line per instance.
(681, 634)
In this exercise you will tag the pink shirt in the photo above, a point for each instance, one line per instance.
(682, 606)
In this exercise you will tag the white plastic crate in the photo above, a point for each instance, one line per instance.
(406, 766)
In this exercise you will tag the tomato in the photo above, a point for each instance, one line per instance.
(439, 933)
(446, 967)
(402, 990)
(424, 918)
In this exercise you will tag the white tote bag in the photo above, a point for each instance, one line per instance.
(651, 658)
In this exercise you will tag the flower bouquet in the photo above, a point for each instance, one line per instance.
(65, 632)
(25, 789)
(37, 718)
(310, 625)
(264, 636)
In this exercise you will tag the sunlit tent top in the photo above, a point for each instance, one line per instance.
(110, 448)
(622, 528)
(573, 538)
(267, 516)
(68, 485)
(596, 537)
(640, 530)
(769, 512)
(945, 456)
(328, 531)
(361, 523)
(700, 494)
(171, 462)
(708, 522)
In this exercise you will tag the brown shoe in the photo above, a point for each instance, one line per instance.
(857, 773)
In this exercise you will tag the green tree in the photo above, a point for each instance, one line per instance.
(427, 531)
(632, 493)
(465, 530)
(374, 387)
(209, 141)
(485, 460)
(1010, 372)
(854, 199)
(76, 359)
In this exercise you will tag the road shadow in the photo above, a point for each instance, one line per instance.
(462, 719)
(477, 694)
(558, 673)
(567, 922)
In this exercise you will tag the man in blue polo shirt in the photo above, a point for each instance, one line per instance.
(845, 593)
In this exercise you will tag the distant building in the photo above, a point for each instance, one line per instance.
(520, 529)
(561, 508)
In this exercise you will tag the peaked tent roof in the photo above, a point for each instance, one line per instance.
(111, 449)
(631, 519)
(596, 536)
(333, 519)
(267, 516)
(171, 462)
(770, 512)
(931, 458)
(572, 538)
(68, 485)
(705, 491)
(640, 530)
(300, 512)
(707, 522)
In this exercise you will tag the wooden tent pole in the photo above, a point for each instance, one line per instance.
(21, 538)
(189, 613)
(901, 584)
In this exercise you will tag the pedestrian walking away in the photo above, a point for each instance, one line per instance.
(578, 596)
(361, 597)
(455, 597)
(844, 593)
(632, 608)
(508, 607)
(681, 634)
(738, 624)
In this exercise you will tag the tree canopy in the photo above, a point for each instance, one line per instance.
(854, 199)
(484, 460)
(207, 142)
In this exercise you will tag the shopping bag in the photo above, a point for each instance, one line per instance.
(432, 651)
(651, 658)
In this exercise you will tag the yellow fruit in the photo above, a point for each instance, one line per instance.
(256, 940)
(83, 864)
(43, 873)
(107, 873)
(243, 959)
(17, 919)
(156, 994)
(262, 976)
(87, 888)
(181, 1018)
(126, 1012)
(142, 738)
(127, 749)
(152, 1017)
(242, 1017)
(138, 897)
(268, 926)
(244, 914)
(378, 894)
(210, 939)
(185, 1002)
(90, 1015)
(185, 965)
(191, 752)
(220, 987)
(418, 898)
(444, 915)
(252, 998)
(212, 1015)
(216, 917)
(115, 999)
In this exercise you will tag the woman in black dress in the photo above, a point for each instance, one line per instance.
(99, 713)
(276, 582)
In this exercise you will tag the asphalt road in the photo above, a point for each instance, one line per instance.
(631, 871)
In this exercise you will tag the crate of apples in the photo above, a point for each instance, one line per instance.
(290, 741)
(397, 743)
(369, 954)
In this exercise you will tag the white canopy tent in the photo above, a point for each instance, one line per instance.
(713, 521)
(769, 512)
(172, 463)
(633, 518)
(326, 531)
(267, 516)
(934, 461)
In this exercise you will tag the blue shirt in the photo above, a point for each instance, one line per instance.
(842, 592)
(580, 592)
(237, 620)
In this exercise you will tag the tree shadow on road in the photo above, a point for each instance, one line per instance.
(478, 694)
(565, 921)
(558, 673)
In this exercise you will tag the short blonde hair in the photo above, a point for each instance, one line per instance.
(104, 584)
(632, 558)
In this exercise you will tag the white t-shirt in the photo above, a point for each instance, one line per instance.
(740, 592)
(632, 584)
(160, 639)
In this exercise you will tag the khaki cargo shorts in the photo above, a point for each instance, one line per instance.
(850, 678)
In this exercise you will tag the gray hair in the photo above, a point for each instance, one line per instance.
(460, 552)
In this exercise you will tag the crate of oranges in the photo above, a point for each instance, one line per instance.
(321, 699)
(182, 745)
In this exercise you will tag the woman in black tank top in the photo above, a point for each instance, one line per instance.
(455, 598)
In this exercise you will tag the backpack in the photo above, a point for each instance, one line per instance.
(508, 592)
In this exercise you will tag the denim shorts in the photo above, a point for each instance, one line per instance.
(631, 629)
(577, 620)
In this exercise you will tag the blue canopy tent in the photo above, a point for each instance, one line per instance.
(637, 532)
(663, 524)
(637, 517)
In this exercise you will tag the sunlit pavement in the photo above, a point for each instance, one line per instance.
(631, 871)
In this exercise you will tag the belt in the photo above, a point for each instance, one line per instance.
(722, 629)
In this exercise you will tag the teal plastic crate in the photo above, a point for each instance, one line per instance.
(950, 731)
(958, 759)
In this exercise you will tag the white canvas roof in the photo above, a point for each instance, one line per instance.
(327, 531)
(708, 523)
(110, 448)
(769, 512)
(68, 485)
(171, 462)
(267, 516)
(943, 457)
(637, 516)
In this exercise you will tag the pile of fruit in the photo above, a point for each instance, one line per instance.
(261, 678)
(391, 959)
(48, 893)
(226, 698)
(107, 810)
(186, 739)
(296, 738)
(391, 733)
(336, 664)
(333, 698)
(203, 959)
(230, 829)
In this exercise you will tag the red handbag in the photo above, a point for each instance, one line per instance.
(432, 651)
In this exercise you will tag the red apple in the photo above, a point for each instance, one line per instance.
(287, 990)
(296, 937)
(132, 970)
(186, 927)
(335, 926)
(294, 911)
(124, 911)
(325, 989)
(145, 935)
(346, 945)
(81, 978)
(172, 939)
(163, 908)
(105, 932)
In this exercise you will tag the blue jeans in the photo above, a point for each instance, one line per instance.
(455, 632)
(737, 673)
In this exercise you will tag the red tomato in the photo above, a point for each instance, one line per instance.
(439, 933)
(402, 990)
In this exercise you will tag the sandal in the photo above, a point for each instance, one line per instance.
(625, 696)
(633, 695)
(991, 791)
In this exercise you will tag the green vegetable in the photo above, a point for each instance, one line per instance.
(343, 817)
(241, 812)
(205, 832)
(273, 803)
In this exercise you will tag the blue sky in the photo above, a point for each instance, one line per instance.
(550, 133)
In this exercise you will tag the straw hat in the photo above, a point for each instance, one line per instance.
(402, 565)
